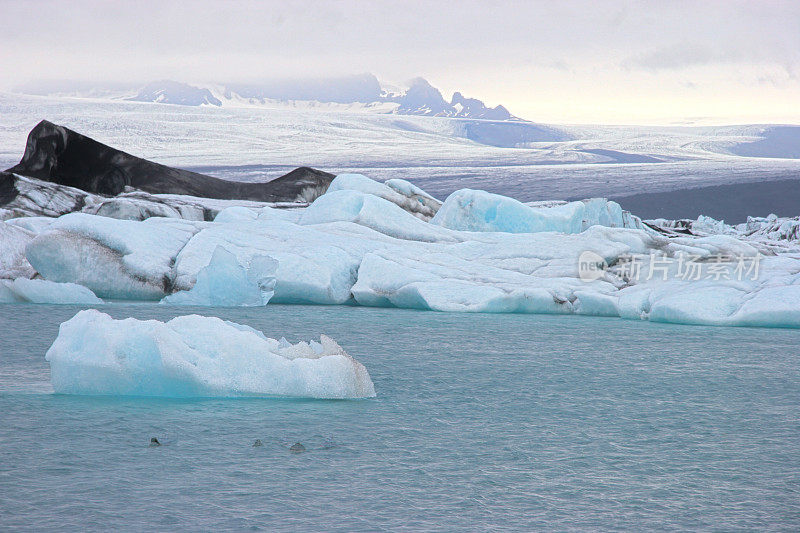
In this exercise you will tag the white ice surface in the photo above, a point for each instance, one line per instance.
(13, 240)
(373, 212)
(195, 356)
(400, 192)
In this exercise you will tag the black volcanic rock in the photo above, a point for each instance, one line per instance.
(8, 191)
(57, 154)
(25, 197)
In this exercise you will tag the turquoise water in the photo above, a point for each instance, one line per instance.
(517, 422)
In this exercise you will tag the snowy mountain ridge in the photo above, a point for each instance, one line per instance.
(363, 91)
(173, 92)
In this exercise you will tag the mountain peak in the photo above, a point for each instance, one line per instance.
(175, 92)
(422, 98)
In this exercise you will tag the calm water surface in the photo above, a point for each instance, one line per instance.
(515, 422)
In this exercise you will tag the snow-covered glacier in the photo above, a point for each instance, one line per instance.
(373, 244)
(195, 356)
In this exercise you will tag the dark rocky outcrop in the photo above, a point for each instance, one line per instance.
(22, 196)
(29, 197)
(57, 154)
(474, 108)
(8, 190)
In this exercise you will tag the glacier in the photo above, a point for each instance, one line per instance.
(367, 243)
(196, 356)
(248, 143)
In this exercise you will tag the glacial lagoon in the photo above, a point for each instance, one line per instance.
(481, 421)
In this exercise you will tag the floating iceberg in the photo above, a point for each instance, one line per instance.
(314, 265)
(226, 283)
(120, 259)
(40, 291)
(372, 212)
(195, 356)
(480, 253)
(470, 210)
(402, 193)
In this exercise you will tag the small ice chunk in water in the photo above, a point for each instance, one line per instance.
(40, 291)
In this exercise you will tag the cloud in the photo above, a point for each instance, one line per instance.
(675, 57)
(518, 53)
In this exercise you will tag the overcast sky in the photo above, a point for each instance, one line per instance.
(601, 61)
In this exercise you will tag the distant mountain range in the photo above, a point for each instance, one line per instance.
(421, 98)
(363, 94)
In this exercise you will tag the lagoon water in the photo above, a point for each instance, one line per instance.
(517, 422)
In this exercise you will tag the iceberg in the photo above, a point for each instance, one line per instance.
(315, 264)
(471, 210)
(523, 273)
(400, 192)
(120, 259)
(40, 291)
(236, 214)
(479, 253)
(372, 212)
(226, 283)
(35, 225)
(195, 356)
